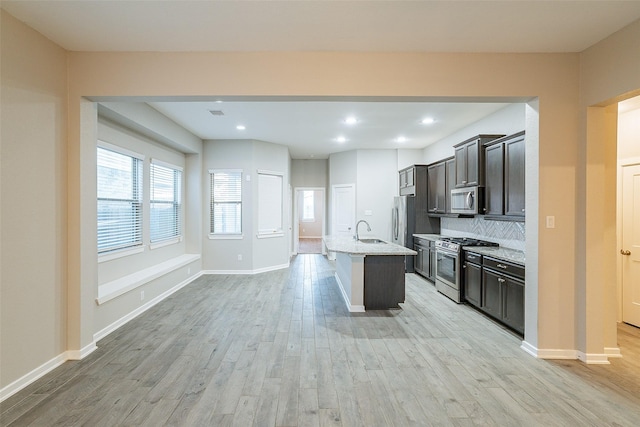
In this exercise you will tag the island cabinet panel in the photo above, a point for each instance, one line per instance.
(384, 282)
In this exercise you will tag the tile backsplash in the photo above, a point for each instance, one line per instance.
(508, 234)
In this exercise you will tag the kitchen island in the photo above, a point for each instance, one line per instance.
(370, 272)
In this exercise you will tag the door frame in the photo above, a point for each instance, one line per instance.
(297, 191)
(622, 163)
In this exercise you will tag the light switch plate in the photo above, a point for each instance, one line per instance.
(551, 221)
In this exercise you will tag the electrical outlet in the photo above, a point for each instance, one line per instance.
(239, 257)
(141, 295)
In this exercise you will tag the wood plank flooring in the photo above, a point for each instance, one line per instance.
(280, 349)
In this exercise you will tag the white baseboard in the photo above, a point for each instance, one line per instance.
(588, 358)
(612, 352)
(83, 352)
(256, 271)
(32, 376)
(352, 308)
(593, 358)
(138, 311)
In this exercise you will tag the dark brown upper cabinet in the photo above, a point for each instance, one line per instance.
(504, 194)
(469, 161)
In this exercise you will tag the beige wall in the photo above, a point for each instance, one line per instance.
(609, 72)
(34, 195)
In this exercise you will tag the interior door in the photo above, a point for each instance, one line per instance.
(630, 251)
(343, 208)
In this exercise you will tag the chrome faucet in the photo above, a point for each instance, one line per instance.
(357, 237)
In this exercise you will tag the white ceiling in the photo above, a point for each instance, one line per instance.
(310, 128)
(304, 25)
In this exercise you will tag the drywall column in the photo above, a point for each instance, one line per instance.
(83, 240)
(596, 290)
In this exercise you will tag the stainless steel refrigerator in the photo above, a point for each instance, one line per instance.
(410, 217)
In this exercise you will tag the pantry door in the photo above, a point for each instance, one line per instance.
(630, 250)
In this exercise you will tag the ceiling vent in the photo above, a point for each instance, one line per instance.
(217, 112)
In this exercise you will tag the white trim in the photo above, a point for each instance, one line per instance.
(118, 149)
(138, 311)
(22, 382)
(268, 172)
(220, 236)
(548, 353)
(265, 235)
(110, 290)
(108, 256)
(256, 271)
(352, 308)
(612, 352)
(224, 170)
(166, 165)
(83, 352)
(167, 242)
(593, 358)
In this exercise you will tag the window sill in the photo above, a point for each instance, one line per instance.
(226, 236)
(270, 235)
(162, 243)
(115, 288)
(121, 253)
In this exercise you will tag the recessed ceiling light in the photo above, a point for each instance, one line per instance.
(217, 112)
(219, 101)
(241, 127)
(341, 139)
(351, 120)
(427, 121)
(401, 139)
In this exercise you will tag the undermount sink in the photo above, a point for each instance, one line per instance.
(371, 241)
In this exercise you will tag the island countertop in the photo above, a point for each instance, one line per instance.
(350, 246)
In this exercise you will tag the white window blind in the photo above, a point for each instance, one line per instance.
(308, 205)
(269, 203)
(226, 201)
(119, 200)
(165, 202)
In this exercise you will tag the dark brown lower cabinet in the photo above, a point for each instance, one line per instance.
(497, 294)
(473, 283)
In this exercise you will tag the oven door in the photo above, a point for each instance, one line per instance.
(447, 268)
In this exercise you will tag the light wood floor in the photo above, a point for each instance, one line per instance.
(280, 349)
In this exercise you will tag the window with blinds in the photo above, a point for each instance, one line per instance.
(119, 200)
(165, 201)
(226, 202)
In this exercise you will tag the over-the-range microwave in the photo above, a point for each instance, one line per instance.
(466, 200)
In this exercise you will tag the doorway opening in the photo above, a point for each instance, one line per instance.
(309, 217)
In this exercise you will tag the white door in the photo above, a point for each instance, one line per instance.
(343, 210)
(630, 251)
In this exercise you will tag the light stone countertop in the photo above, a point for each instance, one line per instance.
(512, 255)
(351, 246)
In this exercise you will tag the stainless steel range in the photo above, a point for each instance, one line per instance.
(449, 263)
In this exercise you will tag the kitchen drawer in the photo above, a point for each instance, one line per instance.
(473, 257)
(423, 242)
(505, 267)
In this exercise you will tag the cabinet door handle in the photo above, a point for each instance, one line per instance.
(464, 182)
(502, 266)
(501, 280)
(623, 252)
(522, 210)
